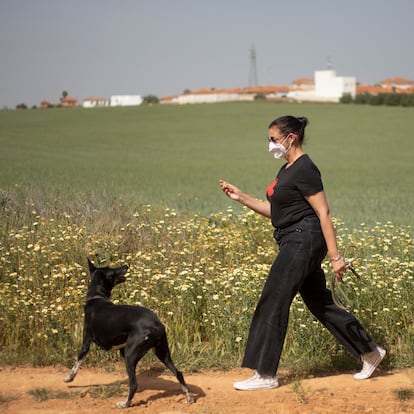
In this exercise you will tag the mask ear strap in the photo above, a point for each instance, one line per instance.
(290, 143)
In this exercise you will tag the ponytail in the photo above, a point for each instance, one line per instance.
(301, 133)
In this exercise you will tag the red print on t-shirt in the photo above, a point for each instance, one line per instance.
(271, 188)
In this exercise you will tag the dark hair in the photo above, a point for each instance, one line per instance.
(289, 124)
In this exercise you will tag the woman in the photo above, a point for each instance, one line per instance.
(297, 207)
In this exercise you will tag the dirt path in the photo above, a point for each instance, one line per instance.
(161, 394)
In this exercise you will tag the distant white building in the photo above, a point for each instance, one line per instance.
(207, 96)
(328, 88)
(95, 102)
(226, 95)
(125, 100)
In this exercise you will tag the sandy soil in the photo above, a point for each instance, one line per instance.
(160, 393)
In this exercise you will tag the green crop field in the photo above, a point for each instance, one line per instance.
(140, 186)
(174, 155)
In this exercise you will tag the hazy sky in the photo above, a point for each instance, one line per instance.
(162, 47)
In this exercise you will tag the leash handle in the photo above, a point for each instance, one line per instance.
(336, 288)
(349, 266)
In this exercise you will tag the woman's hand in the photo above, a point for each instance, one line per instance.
(230, 190)
(338, 267)
(258, 206)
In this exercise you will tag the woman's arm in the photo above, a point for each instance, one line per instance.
(319, 203)
(258, 206)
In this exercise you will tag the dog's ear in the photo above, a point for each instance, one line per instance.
(91, 266)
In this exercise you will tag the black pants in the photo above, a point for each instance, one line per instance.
(297, 268)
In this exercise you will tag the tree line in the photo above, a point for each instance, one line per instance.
(389, 99)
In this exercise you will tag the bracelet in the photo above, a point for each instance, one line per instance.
(336, 258)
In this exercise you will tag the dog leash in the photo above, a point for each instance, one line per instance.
(338, 288)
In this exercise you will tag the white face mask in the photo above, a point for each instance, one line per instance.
(278, 150)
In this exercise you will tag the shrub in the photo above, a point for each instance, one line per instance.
(377, 99)
(260, 97)
(407, 99)
(150, 99)
(362, 98)
(346, 98)
(392, 99)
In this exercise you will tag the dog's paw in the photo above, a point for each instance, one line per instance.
(69, 378)
(189, 397)
(123, 404)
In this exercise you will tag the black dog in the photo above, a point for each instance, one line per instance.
(131, 329)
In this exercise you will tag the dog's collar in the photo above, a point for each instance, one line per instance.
(97, 297)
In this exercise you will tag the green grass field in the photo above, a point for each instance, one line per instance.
(174, 155)
(140, 186)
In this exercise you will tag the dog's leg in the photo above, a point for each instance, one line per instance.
(81, 356)
(122, 352)
(132, 355)
(162, 351)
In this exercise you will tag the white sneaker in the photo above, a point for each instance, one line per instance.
(257, 382)
(370, 362)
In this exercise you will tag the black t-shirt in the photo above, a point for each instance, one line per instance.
(287, 192)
